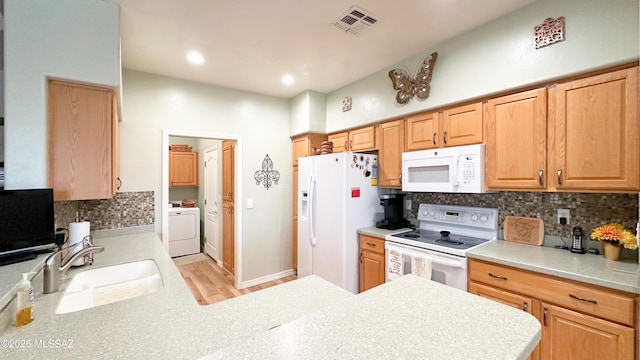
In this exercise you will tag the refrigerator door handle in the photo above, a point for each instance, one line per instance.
(312, 213)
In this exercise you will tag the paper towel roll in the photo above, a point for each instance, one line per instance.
(77, 232)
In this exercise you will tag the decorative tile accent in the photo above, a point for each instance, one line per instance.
(125, 209)
(549, 32)
(587, 210)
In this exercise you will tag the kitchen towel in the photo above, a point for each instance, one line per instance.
(420, 266)
(394, 264)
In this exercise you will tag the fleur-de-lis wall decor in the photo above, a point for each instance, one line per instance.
(408, 87)
(267, 175)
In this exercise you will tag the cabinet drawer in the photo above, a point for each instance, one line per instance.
(589, 299)
(372, 244)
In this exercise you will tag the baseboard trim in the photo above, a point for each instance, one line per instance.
(264, 279)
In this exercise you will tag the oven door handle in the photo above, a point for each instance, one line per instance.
(434, 259)
(439, 261)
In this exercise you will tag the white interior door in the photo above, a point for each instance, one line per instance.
(212, 204)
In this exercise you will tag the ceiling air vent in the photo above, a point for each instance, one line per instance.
(355, 20)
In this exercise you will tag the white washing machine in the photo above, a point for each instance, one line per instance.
(184, 231)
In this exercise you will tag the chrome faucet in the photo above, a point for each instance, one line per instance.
(55, 266)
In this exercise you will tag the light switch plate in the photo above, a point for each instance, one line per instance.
(249, 203)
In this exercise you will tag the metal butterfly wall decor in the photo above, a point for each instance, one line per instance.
(408, 87)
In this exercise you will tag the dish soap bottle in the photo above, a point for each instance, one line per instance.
(24, 301)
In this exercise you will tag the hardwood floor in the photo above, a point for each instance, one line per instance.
(210, 283)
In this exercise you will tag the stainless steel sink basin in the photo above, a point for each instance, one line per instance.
(110, 284)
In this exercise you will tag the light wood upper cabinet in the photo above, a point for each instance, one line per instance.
(462, 125)
(83, 151)
(595, 128)
(516, 141)
(391, 146)
(422, 131)
(340, 141)
(304, 145)
(363, 139)
(183, 169)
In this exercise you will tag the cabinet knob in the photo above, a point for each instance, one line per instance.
(560, 177)
(434, 138)
(445, 138)
(400, 178)
(118, 183)
(540, 172)
(544, 317)
(525, 307)
(590, 301)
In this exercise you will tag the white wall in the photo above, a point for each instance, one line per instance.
(69, 39)
(308, 113)
(153, 103)
(500, 56)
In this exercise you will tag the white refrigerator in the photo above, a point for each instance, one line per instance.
(337, 195)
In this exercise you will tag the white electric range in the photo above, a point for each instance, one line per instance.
(444, 235)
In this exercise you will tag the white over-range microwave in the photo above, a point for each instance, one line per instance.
(458, 169)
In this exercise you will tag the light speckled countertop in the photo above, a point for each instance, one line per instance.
(309, 317)
(168, 324)
(588, 268)
(380, 233)
(409, 318)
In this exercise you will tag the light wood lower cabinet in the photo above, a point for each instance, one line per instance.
(371, 262)
(579, 320)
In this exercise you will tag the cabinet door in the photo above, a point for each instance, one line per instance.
(183, 169)
(340, 141)
(516, 133)
(228, 251)
(596, 132)
(462, 125)
(300, 148)
(568, 334)
(505, 297)
(363, 139)
(390, 154)
(371, 270)
(81, 155)
(422, 131)
(228, 159)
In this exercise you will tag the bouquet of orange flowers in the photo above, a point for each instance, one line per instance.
(615, 234)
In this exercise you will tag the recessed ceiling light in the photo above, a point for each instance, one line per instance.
(288, 80)
(195, 57)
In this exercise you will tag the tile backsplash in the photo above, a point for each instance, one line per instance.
(587, 210)
(125, 209)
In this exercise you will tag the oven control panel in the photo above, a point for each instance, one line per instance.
(486, 218)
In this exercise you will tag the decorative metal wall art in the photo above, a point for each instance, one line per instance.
(346, 104)
(408, 87)
(549, 32)
(267, 175)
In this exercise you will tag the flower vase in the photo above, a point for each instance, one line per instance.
(611, 251)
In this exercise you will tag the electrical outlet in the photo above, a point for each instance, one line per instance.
(407, 204)
(564, 213)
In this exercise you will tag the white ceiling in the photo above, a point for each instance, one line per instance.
(250, 44)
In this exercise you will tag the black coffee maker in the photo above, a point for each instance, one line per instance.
(393, 212)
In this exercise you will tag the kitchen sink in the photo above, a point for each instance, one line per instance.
(110, 284)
